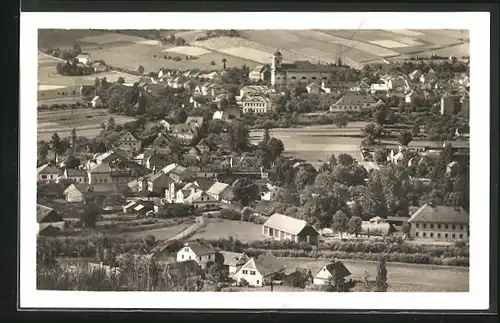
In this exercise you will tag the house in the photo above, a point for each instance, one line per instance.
(251, 90)
(415, 75)
(362, 88)
(282, 227)
(47, 173)
(203, 147)
(257, 104)
(397, 84)
(128, 143)
(115, 172)
(84, 58)
(450, 104)
(155, 182)
(379, 87)
(221, 115)
(96, 102)
(177, 172)
(99, 67)
(260, 73)
(376, 227)
(82, 193)
(157, 161)
(198, 251)
(161, 145)
(430, 77)
(176, 82)
(233, 261)
(216, 189)
(189, 85)
(410, 96)
(395, 158)
(201, 200)
(227, 195)
(46, 217)
(76, 175)
(185, 191)
(259, 271)
(263, 208)
(197, 101)
(165, 124)
(109, 156)
(335, 270)
(451, 167)
(397, 221)
(314, 88)
(353, 101)
(186, 133)
(270, 194)
(439, 222)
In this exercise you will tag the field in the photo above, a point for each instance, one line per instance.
(401, 277)
(162, 233)
(244, 231)
(85, 121)
(315, 144)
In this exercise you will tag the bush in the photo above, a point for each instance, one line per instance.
(176, 58)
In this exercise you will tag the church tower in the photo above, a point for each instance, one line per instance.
(275, 65)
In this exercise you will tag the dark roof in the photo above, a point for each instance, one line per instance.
(75, 172)
(398, 218)
(227, 193)
(46, 214)
(338, 269)
(204, 183)
(264, 207)
(48, 169)
(277, 53)
(267, 264)
(233, 258)
(200, 248)
(354, 98)
(440, 214)
(306, 66)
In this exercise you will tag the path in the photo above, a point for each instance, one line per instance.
(199, 223)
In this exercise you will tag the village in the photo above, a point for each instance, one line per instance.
(190, 165)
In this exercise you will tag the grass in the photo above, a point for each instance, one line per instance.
(216, 228)
(160, 233)
(85, 121)
(401, 277)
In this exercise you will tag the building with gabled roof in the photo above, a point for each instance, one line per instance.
(198, 251)
(282, 227)
(47, 173)
(233, 261)
(439, 222)
(259, 271)
(335, 270)
(128, 143)
(46, 217)
(256, 103)
(354, 101)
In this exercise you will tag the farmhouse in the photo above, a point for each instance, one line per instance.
(314, 88)
(196, 250)
(200, 200)
(128, 143)
(186, 133)
(335, 270)
(353, 101)
(177, 172)
(155, 182)
(284, 74)
(47, 173)
(48, 217)
(84, 58)
(271, 192)
(260, 73)
(216, 190)
(81, 193)
(440, 222)
(257, 104)
(110, 156)
(282, 227)
(233, 261)
(259, 271)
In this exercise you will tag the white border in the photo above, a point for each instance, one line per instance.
(477, 22)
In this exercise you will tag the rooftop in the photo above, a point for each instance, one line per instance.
(440, 214)
(200, 248)
(286, 223)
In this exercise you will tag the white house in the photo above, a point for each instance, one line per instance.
(197, 251)
(325, 273)
(259, 271)
(272, 190)
(76, 175)
(200, 199)
(165, 125)
(234, 261)
(216, 189)
(257, 104)
(47, 173)
(84, 58)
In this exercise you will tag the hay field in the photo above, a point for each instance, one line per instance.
(187, 50)
(248, 53)
(85, 121)
(220, 228)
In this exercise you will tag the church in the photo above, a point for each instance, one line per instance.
(285, 74)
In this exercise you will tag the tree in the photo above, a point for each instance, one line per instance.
(77, 49)
(380, 156)
(275, 147)
(56, 145)
(404, 138)
(111, 124)
(340, 121)
(120, 80)
(382, 275)
(239, 136)
(224, 61)
(305, 176)
(415, 130)
(42, 151)
(90, 215)
(140, 69)
(332, 162)
(245, 191)
(339, 222)
(180, 116)
(345, 160)
(217, 273)
(72, 162)
(354, 225)
(379, 116)
(265, 137)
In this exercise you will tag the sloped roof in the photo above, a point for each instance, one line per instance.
(42, 211)
(204, 183)
(197, 120)
(100, 168)
(75, 172)
(221, 115)
(196, 196)
(354, 98)
(440, 214)
(183, 268)
(227, 193)
(217, 188)
(267, 264)
(233, 258)
(200, 248)
(286, 223)
(47, 169)
(337, 268)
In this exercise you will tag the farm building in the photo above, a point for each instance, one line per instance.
(337, 269)
(285, 74)
(155, 182)
(48, 217)
(76, 175)
(177, 172)
(47, 173)
(282, 227)
(200, 199)
(353, 101)
(128, 143)
(81, 193)
(259, 271)
(216, 190)
(196, 250)
(439, 222)
(233, 261)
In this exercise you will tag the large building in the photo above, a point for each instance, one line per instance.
(283, 74)
(439, 222)
(354, 101)
(282, 227)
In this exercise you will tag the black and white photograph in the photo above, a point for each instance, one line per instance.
(319, 160)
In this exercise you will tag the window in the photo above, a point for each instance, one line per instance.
(294, 78)
(423, 234)
(186, 249)
(252, 272)
(453, 236)
(182, 256)
(432, 226)
(432, 234)
(461, 236)
(453, 226)
(424, 225)
(257, 282)
(461, 226)
(446, 235)
(418, 225)
(245, 271)
(439, 226)
(209, 257)
(44, 176)
(439, 235)
(446, 226)
(189, 257)
(304, 78)
(199, 258)
(416, 234)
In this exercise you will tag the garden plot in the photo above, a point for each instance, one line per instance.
(188, 50)
(248, 53)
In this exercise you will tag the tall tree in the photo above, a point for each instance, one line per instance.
(111, 124)
(224, 61)
(345, 160)
(305, 176)
(239, 136)
(404, 138)
(382, 275)
(275, 147)
(56, 146)
(415, 130)
(90, 215)
(354, 225)
(332, 162)
(140, 69)
(339, 222)
(265, 137)
(245, 191)
(42, 151)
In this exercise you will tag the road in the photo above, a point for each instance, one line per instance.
(199, 223)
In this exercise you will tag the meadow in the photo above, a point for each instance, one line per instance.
(244, 231)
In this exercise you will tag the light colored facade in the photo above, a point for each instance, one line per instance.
(47, 173)
(282, 227)
(198, 252)
(84, 59)
(353, 101)
(257, 104)
(127, 142)
(439, 222)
